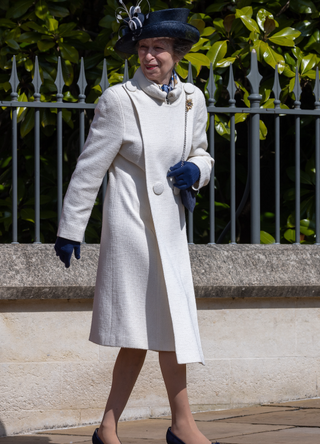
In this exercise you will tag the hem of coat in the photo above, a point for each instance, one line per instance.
(180, 361)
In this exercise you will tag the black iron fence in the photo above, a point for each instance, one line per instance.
(254, 111)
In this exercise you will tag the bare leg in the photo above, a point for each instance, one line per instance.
(175, 379)
(125, 373)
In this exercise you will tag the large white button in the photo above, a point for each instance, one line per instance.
(158, 188)
(189, 88)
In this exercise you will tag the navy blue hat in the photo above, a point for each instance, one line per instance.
(165, 23)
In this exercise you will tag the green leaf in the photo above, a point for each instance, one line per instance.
(28, 123)
(209, 30)
(58, 11)
(263, 130)
(266, 238)
(244, 12)
(44, 45)
(215, 7)
(68, 52)
(217, 52)
(38, 28)
(224, 63)
(219, 26)
(272, 57)
(181, 71)
(41, 9)
(5, 23)
(259, 49)
(13, 44)
(52, 24)
(228, 21)
(288, 33)
(303, 6)
(106, 22)
(19, 9)
(199, 24)
(221, 126)
(250, 24)
(198, 46)
(282, 41)
(245, 15)
(27, 214)
(308, 62)
(198, 60)
(262, 14)
(240, 117)
(314, 41)
(290, 235)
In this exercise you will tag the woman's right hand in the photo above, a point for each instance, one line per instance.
(64, 249)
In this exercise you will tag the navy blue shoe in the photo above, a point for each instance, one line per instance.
(95, 438)
(172, 438)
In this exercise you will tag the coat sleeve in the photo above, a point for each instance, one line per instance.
(102, 145)
(198, 153)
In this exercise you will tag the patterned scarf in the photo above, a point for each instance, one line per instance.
(171, 85)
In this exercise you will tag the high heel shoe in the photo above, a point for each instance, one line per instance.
(95, 438)
(173, 439)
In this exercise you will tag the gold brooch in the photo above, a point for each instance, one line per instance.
(189, 104)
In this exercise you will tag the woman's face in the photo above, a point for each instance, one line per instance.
(157, 59)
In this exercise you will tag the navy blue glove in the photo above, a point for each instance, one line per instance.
(185, 175)
(64, 249)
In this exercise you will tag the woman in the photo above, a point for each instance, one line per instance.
(144, 298)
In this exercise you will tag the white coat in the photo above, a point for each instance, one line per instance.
(144, 296)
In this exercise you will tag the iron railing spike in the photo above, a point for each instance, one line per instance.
(14, 80)
(231, 88)
(297, 87)
(276, 85)
(36, 79)
(316, 90)
(104, 79)
(59, 82)
(190, 75)
(254, 76)
(82, 82)
(211, 87)
(126, 72)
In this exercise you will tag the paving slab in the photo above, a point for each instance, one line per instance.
(303, 417)
(45, 439)
(74, 431)
(234, 413)
(304, 404)
(295, 435)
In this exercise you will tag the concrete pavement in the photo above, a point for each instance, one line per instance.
(283, 423)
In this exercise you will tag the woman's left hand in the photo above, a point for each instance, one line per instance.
(185, 175)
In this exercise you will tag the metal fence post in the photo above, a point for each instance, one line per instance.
(277, 90)
(232, 90)
(14, 82)
(59, 82)
(297, 103)
(254, 78)
(316, 92)
(37, 84)
(211, 88)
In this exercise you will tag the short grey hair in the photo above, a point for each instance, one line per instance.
(181, 47)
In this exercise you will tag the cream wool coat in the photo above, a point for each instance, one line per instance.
(144, 296)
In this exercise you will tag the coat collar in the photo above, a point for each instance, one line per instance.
(153, 90)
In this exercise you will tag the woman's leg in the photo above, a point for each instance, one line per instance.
(125, 373)
(175, 379)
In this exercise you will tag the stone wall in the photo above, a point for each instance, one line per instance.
(259, 317)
